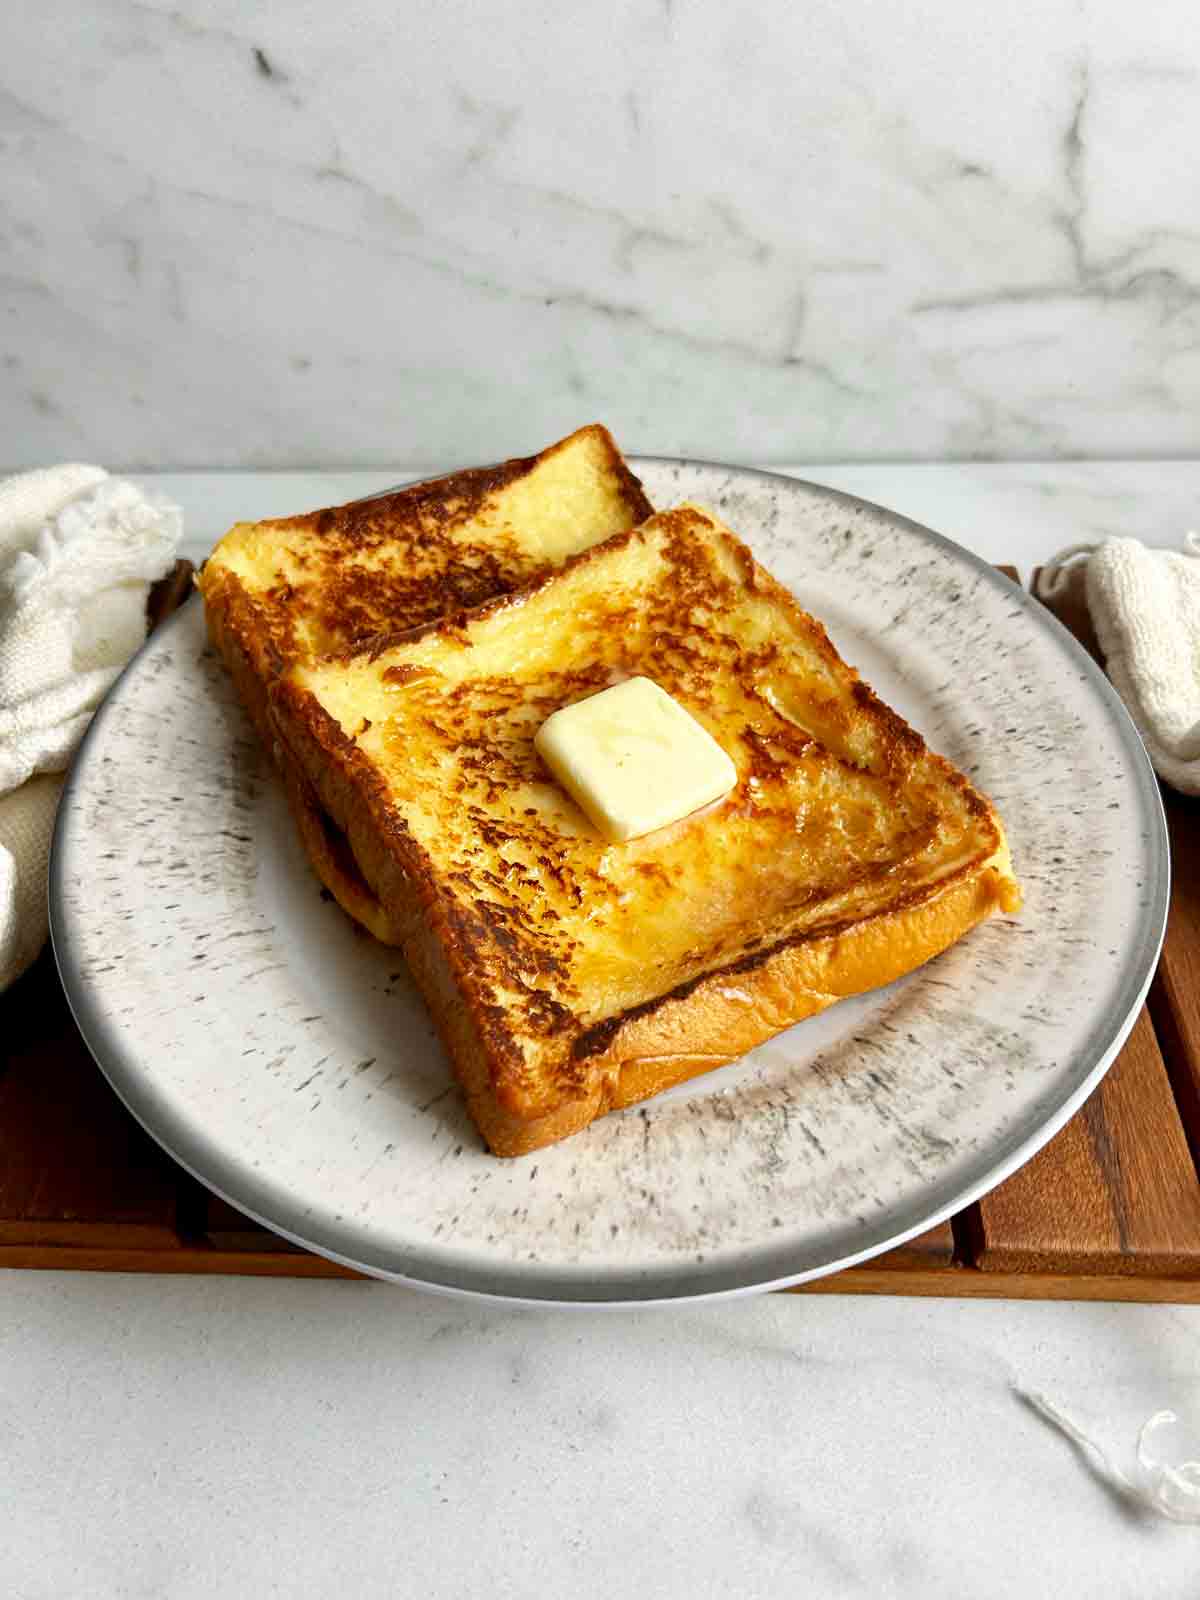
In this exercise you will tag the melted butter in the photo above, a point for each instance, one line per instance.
(633, 759)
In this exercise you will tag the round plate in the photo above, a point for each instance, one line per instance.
(287, 1061)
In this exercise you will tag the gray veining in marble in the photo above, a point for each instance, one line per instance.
(832, 231)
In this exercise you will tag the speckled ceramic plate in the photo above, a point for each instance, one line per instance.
(288, 1062)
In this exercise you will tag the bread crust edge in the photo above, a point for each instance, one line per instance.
(254, 663)
(724, 1014)
(729, 1012)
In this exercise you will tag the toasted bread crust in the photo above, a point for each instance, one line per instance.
(404, 879)
(332, 858)
(439, 565)
(732, 1011)
(334, 578)
(678, 1036)
(731, 1002)
(230, 616)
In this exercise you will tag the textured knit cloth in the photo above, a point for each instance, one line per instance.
(78, 552)
(1145, 608)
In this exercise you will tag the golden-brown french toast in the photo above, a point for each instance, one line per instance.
(293, 588)
(569, 975)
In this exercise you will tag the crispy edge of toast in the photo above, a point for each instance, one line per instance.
(230, 621)
(705, 1023)
(254, 662)
(223, 590)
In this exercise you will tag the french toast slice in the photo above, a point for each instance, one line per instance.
(293, 588)
(569, 976)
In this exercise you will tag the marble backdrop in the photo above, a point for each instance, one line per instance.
(370, 233)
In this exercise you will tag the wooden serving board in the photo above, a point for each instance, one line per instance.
(1109, 1210)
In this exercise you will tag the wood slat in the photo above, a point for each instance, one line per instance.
(168, 594)
(75, 1168)
(226, 1228)
(1114, 1193)
(188, 1258)
(1175, 993)
(932, 1249)
(968, 1283)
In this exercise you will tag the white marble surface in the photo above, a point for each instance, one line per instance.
(190, 1439)
(374, 234)
(224, 1438)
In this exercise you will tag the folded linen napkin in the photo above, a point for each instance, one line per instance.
(1145, 608)
(78, 552)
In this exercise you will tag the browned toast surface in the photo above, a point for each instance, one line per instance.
(291, 588)
(326, 581)
(589, 974)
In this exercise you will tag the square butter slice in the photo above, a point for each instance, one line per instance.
(633, 759)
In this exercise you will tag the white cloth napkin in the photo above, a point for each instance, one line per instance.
(1145, 608)
(78, 552)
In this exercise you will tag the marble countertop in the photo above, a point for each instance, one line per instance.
(238, 1437)
(179, 1438)
(280, 235)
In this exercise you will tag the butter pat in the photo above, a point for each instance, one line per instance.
(633, 759)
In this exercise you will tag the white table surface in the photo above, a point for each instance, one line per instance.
(173, 1438)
